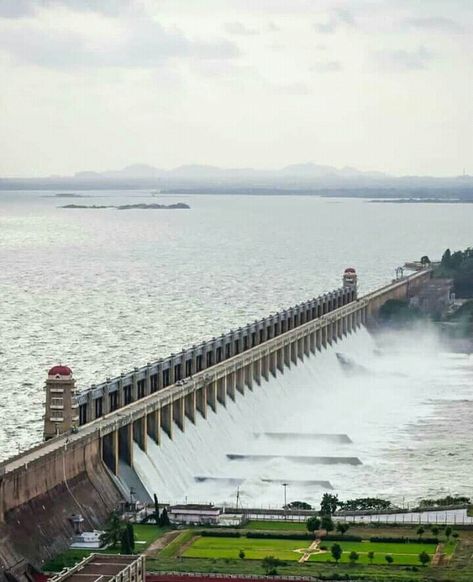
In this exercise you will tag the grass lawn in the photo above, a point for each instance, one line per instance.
(403, 554)
(255, 549)
(144, 536)
(276, 525)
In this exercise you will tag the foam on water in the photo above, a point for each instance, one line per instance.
(396, 415)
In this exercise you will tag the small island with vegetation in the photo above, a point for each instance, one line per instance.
(176, 206)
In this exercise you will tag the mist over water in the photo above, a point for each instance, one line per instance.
(106, 290)
(390, 416)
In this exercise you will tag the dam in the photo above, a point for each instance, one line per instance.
(165, 428)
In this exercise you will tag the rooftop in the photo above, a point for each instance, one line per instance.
(96, 567)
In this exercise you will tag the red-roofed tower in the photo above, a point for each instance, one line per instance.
(61, 408)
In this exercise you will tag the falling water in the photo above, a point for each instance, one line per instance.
(362, 417)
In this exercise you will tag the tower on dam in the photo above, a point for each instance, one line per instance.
(61, 407)
(350, 279)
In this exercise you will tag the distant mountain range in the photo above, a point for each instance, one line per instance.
(296, 178)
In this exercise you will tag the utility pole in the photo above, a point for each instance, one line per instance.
(285, 498)
(237, 496)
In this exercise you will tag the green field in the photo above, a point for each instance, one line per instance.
(257, 549)
(405, 554)
(276, 525)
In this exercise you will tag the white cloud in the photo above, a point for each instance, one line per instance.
(141, 43)
(435, 23)
(93, 84)
(239, 28)
(327, 67)
(402, 60)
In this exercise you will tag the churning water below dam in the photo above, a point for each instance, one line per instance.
(361, 418)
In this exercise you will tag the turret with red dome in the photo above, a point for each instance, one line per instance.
(350, 277)
(61, 405)
(60, 370)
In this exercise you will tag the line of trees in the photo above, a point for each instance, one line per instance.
(459, 266)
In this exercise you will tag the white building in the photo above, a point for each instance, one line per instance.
(88, 540)
(194, 514)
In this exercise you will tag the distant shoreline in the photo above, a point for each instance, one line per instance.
(420, 201)
(177, 206)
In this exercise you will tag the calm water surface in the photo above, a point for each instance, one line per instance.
(106, 290)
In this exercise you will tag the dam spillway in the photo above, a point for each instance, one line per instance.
(159, 428)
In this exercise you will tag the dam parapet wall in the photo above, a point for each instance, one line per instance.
(73, 472)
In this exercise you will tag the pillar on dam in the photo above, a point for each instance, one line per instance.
(190, 406)
(221, 390)
(178, 412)
(211, 396)
(287, 355)
(153, 425)
(140, 432)
(264, 360)
(201, 401)
(231, 380)
(280, 359)
(240, 380)
(110, 451)
(249, 376)
(166, 419)
(257, 371)
(273, 365)
(125, 443)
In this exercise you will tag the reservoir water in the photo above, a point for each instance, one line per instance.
(106, 290)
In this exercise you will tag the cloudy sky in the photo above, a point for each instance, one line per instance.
(99, 84)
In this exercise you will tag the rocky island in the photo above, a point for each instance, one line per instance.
(177, 206)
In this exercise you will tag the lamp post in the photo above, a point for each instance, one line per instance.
(285, 499)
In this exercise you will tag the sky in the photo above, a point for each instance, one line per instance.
(381, 85)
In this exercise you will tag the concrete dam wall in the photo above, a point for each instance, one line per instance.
(87, 471)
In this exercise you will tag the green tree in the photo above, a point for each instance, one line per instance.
(448, 532)
(329, 504)
(353, 557)
(342, 527)
(125, 542)
(336, 551)
(425, 260)
(156, 508)
(164, 518)
(424, 558)
(435, 530)
(299, 505)
(313, 524)
(326, 523)
(241, 555)
(113, 530)
(446, 258)
(420, 531)
(389, 559)
(270, 564)
(131, 535)
(371, 557)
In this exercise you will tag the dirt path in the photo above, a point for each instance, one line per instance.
(312, 549)
(438, 557)
(161, 542)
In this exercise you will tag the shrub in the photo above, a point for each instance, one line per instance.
(344, 538)
(213, 533)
